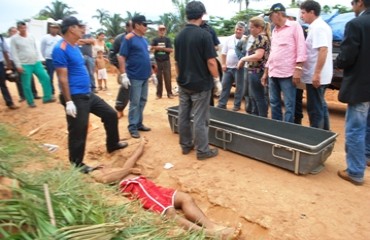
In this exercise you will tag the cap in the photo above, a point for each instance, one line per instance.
(54, 24)
(277, 7)
(140, 19)
(161, 26)
(71, 21)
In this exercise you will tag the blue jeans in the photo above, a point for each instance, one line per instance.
(230, 76)
(285, 86)
(250, 105)
(257, 93)
(197, 104)
(357, 139)
(317, 108)
(138, 98)
(90, 65)
(50, 69)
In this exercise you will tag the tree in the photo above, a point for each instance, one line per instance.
(180, 17)
(114, 25)
(57, 10)
(240, 3)
(102, 15)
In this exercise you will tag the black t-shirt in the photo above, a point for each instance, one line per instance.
(208, 28)
(165, 42)
(115, 49)
(193, 48)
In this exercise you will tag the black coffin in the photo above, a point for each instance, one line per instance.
(290, 146)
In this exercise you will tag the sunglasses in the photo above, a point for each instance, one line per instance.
(144, 24)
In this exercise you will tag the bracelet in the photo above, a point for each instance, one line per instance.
(298, 67)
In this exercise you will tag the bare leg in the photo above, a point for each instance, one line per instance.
(111, 175)
(195, 219)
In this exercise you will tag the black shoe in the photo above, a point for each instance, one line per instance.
(235, 109)
(144, 129)
(119, 145)
(187, 150)
(36, 97)
(222, 107)
(13, 107)
(211, 153)
(87, 169)
(50, 100)
(135, 134)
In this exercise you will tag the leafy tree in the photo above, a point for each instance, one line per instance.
(169, 20)
(180, 17)
(57, 10)
(240, 2)
(114, 25)
(101, 15)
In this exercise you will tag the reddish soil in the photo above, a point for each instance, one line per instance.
(270, 202)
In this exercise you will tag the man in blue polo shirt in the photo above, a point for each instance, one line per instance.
(77, 97)
(135, 69)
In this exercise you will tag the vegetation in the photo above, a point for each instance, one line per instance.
(79, 208)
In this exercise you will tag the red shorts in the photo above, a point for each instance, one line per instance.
(151, 196)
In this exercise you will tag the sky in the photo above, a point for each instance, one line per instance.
(14, 10)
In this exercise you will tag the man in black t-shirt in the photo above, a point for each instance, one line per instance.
(196, 66)
(162, 48)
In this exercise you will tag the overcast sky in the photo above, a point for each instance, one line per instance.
(13, 10)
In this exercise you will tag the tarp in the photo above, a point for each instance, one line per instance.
(337, 22)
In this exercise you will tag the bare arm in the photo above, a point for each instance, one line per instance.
(212, 67)
(122, 63)
(63, 81)
(223, 62)
(321, 58)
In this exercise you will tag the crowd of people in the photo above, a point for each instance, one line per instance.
(267, 67)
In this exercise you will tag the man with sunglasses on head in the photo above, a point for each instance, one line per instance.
(354, 59)
(135, 69)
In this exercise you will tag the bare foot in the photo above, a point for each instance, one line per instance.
(227, 233)
(119, 115)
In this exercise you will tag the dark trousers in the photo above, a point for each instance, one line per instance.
(298, 115)
(4, 89)
(164, 73)
(50, 69)
(77, 127)
(122, 99)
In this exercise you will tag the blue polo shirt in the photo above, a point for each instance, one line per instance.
(135, 49)
(67, 56)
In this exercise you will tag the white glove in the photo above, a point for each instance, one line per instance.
(217, 89)
(71, 109)
(124, 80)
(154, 79)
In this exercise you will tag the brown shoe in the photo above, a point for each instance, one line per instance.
(13, 107)
(344, 175)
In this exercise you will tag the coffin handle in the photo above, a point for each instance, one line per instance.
(275, 154)
(223, 136)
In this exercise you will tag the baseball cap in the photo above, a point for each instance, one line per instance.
(140, 19)
(277, 7)
(71, 21)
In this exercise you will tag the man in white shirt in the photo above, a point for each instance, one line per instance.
(229, 63)
(318, 68)
(47, 45)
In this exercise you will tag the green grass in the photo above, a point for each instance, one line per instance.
(80, 206)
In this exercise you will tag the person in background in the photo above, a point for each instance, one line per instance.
(101, 70)
(162, 48)
(123, 95)
(86, 44)
(11, 32)
(354, 58)
(318, 69)
(256, 57)
(26, 59)
(216, 43)
(5, 64)
(135, 69)
(195, 58)
(284, 65)
(77, 98)
(229, 63)
(47, 44)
